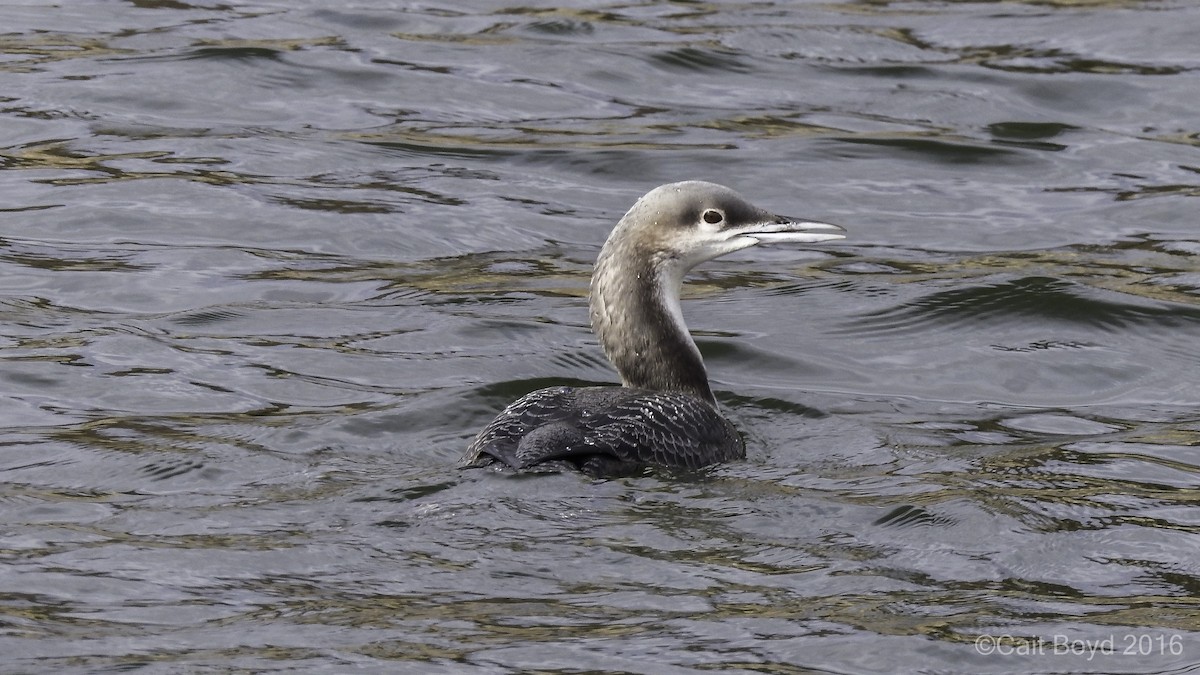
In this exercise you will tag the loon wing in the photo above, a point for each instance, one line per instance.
(500, 440)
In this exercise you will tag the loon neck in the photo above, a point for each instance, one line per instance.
(636, 314)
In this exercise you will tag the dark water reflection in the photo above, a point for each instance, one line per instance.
(267, 268)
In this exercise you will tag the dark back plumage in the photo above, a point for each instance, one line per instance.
(606, 431)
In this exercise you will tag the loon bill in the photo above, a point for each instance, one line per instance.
(664, 413)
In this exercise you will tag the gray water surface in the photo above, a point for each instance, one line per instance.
(265, 269)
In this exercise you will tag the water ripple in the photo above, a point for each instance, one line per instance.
(1044, 300)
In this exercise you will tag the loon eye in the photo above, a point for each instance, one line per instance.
(713, 216)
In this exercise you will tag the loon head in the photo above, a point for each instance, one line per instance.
(693, 221)
(635, 288)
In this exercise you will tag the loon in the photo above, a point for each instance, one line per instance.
(664, 413)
